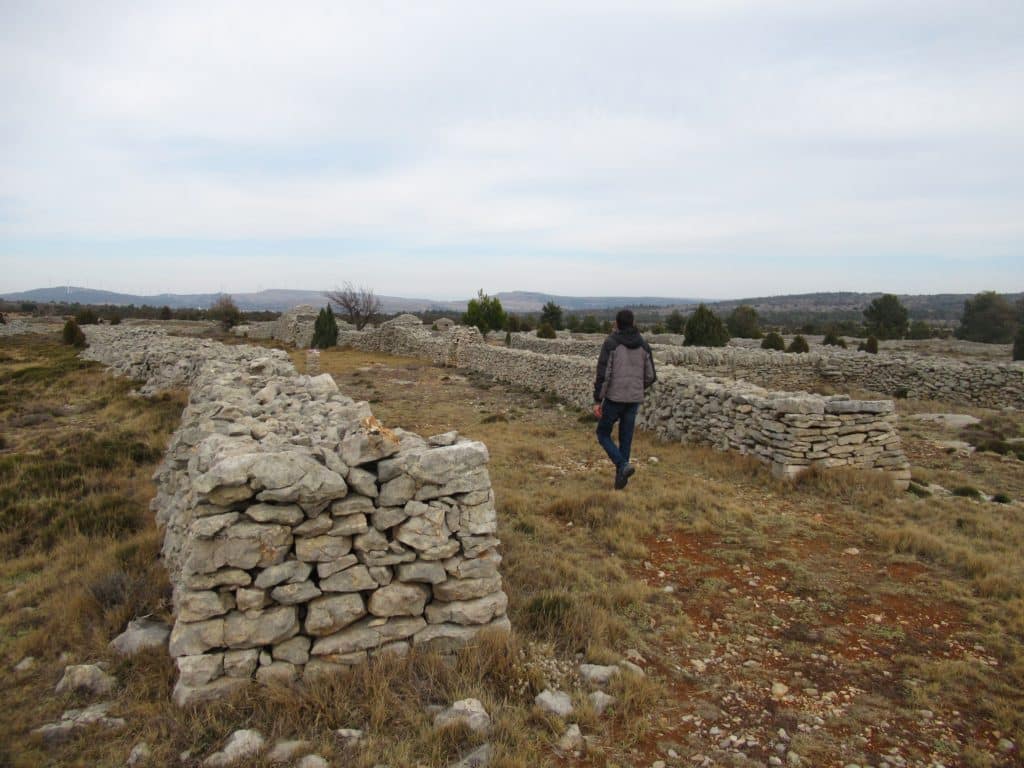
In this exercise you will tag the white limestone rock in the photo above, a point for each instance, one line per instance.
(468, 712)
(482, 610)
(294, 651)
(425, 530)
(140, 635)
(600, 701)
(243, 546)
(290, 572)
(597, 674)
(430, 572)
(448, 637)
(555, 702)
(241, 663)
(285, 751)
(331, 613)
(86, 678)
(366, 634)
(466, 589)
(273, 625)
(199, 606)
(294, 594)
(354, 579)
(284, 514)
(199, 670)
(243, 744)
(319, 549)
(399, 599)
(362, 482)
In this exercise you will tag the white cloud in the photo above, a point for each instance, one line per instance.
(667, 131)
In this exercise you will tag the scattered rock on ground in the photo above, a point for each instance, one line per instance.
(86, 678)
(139, 755)
(596, 674)
(556, 702)
(75, 719)
(600, 701)
(243, 743)
(629, 666)
(140, 635)
(349, 735)
(572, 739)
(312, 761)
(284, 751)
(468, 711)
(25, 665)
(478, 758)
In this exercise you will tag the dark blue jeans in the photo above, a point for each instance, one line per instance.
(625, 414)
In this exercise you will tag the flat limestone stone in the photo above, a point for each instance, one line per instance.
(331, 613)
(273, 625)
(354, 579)
(141, 634)
(321, 549)
(397, 599)
(466, 589)
(479, 611)
(448, 637)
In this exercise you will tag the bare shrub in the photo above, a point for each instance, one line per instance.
(359, 306)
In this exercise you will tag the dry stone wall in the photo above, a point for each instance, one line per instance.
(789, 431)
(302, 536)
(990, 385)
(294, 327)
(986, 384)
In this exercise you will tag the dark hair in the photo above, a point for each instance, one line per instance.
(624, 319)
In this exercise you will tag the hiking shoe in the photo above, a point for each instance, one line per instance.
(622, 475)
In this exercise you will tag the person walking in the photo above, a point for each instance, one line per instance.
(625, 369)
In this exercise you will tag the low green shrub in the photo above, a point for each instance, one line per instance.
(1018, 344)
(870, 346)
(773, 340)
(967, 492)
(73, 335)
(87, 317)
(833, 339)
(325, 329)
(798, 345)
(705, 329)
(918, 490)
(546, 331)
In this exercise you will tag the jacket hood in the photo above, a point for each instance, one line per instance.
(629, 337)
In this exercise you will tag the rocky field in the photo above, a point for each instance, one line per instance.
(707, 615)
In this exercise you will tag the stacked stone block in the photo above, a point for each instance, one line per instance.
(301, 535)
(985, 384)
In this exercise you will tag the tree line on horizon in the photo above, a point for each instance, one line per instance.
(987, 317)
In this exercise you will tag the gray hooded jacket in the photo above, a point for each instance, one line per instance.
(625, 368)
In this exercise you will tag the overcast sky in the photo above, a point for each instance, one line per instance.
(711, 148)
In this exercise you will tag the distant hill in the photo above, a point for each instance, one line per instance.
(281, 299)
(938, 307)
(526, 301)
(274, 300)
(944, 307)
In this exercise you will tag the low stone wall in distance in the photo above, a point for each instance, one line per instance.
(789, 431)
(985, 384)
(301, 535)
(293, 327)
